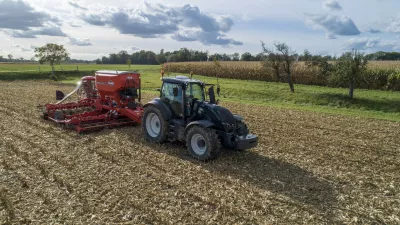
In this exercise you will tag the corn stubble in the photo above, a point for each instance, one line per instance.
(308, 169)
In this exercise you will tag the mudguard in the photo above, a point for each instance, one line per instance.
(165, 111)
(201, 123)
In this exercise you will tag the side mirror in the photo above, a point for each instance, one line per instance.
(212, 95)
(59, 95)
(175, 90)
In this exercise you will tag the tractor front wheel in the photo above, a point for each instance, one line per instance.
(203, 143)
(154, 126)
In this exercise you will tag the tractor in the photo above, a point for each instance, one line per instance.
(112, 99)
(182, 113)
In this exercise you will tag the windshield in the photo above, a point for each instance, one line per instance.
(195, 91)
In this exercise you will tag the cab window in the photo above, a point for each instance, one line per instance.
(175, 101)
(195, 91)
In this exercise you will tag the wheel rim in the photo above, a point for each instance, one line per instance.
(198, 144)
(153, 125)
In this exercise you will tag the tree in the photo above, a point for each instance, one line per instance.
(246, 57)
(322, 63)
(272, 60)
(52, 54)
(10, 57)
(235, 56)
(307, 55)
(161, 59)
(287, 57)
(151, 58)
(129, 62)
(349, 67)
(284, 57)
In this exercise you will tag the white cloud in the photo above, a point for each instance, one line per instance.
(134, 48)
(330, 36)
(158, 20)
(76, 5)
(394, 25)
(332, 5)
(333, 24)
(372, 44)
(21, 20)
(373, 31)
(46, 31)
(79, 41)
(21, 48)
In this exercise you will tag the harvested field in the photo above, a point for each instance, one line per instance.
(309, 168)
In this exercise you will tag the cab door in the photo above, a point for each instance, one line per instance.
(174, 102)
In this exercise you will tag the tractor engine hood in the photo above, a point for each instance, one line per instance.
(220, 116)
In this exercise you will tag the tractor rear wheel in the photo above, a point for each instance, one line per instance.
(154, 126)
(203, 143)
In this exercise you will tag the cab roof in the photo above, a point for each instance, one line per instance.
(181, 80)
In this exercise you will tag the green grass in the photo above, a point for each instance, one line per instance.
(367, 103)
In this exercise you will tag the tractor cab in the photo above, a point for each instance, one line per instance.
(181, 92)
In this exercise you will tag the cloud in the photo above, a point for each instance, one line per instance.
(20, 20)
(183, 23)
(76, 5)
(74, 25)
(79, 41)
(93, 19)
(333, 24)
(21, 48)
(207, 38)
(18, 15)
(134, 48)
(48, 31)
(330, 36)
(373, 31)
(372, 44)
(332, 5)
(394, 25)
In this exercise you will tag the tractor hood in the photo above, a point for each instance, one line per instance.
(220, 116)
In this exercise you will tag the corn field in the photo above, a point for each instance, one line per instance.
(383, 75)
(308, 168)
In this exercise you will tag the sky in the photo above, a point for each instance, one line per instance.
(90, 29)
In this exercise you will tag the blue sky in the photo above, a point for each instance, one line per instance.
(90, 29)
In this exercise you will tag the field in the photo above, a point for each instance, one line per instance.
(309, 168)
(367, 103)
(380, 75)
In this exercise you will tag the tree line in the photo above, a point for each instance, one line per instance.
(188, 55)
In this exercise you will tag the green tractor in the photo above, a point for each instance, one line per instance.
(182, 113)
